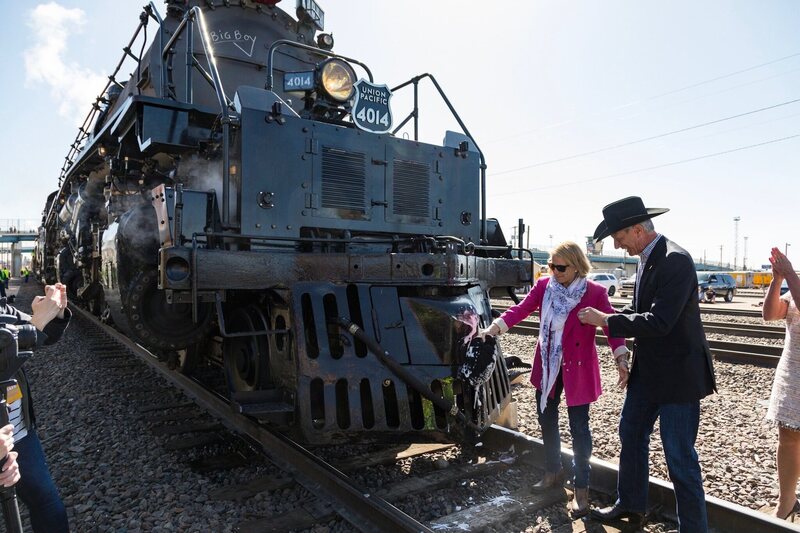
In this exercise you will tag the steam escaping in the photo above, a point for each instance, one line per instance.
(73, 87)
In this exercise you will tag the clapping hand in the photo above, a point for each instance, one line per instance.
(781, 266)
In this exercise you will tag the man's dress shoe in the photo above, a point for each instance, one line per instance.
(616, 512)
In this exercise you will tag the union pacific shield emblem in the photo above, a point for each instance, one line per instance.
(371, 110)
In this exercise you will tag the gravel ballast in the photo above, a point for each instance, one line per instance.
(115, 475)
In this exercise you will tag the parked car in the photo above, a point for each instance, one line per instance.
(609, 281)
(627, 285)
(722, 284)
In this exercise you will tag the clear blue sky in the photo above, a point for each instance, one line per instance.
(535, 81)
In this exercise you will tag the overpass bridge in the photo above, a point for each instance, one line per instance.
(13, 243)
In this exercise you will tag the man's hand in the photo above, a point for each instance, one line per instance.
(593, 317)
(623, 370)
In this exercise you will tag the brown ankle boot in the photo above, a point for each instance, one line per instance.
(550, 480)
(579, 506)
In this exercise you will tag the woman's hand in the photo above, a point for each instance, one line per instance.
(781, 266)
(492, 331)
(6, 440)
(10, 472)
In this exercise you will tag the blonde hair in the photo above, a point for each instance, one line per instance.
(574, 255)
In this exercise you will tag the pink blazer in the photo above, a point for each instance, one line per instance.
(580, 369)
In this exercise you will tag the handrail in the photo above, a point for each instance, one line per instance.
(415, 115)
(149, 11)
(187, 24)
(282, 42)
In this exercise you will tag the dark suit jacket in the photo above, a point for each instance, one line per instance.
(670, 351)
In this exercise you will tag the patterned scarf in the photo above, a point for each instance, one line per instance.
(557, 303)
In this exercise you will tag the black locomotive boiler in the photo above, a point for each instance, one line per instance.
(243, 195)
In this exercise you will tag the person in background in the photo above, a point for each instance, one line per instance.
(3, 282)
(565, 359)
(671, 371)
(35, 487)
(784, 401)
(710, 295)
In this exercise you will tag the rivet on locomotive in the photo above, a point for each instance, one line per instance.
(243, 204)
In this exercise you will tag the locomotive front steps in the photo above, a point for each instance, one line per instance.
(268, 405)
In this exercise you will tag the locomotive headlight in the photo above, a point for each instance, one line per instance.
(336, 79)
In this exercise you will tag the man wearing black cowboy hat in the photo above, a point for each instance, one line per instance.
(671, 369)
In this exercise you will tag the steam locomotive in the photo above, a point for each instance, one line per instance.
(243, 203)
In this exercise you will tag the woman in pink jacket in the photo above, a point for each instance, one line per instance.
(566, 359)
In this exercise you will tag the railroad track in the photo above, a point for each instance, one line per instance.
(333, 493)
(734, 352)
(704, 309)
(318, 477)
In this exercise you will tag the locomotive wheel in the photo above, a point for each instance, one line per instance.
(158, 324)
(246, 358)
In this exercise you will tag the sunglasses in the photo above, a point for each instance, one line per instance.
(560, 268)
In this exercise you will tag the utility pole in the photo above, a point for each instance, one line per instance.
(735, 240)
(744, 257)
(786, 249)
(720, 255)
(551, 241)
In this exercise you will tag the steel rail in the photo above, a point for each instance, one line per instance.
(365, 511)
(757, 354)
(727, 328)
(704, 310)
(722, 515)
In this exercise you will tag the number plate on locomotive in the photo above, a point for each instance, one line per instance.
(298, 81)
(371, 111)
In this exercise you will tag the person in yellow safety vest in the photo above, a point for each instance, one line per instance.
(3, 280)
(7, 274)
